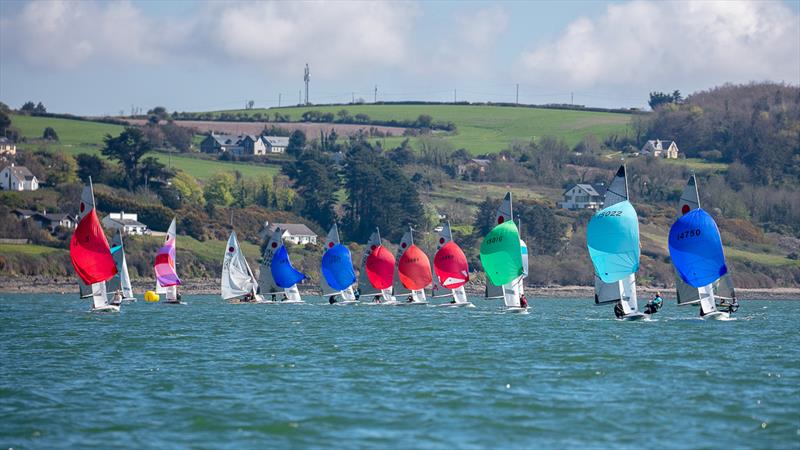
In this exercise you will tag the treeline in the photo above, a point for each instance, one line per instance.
(756, 125)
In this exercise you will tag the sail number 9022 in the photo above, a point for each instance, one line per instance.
(610, 214)
(689, 234)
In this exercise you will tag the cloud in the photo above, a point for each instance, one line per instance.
(274, 36)
(672, 43)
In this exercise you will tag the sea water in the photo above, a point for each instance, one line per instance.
(216, 375)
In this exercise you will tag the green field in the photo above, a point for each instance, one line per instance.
(697, 164)
(28, 249)
(486, 129)
(78, 136)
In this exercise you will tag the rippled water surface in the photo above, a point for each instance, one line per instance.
(215, 375)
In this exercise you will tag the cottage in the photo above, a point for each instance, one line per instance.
(24, 213)
(253, 145)
(296, 233)
(7, 147)
(222, 143)
(660, 149)
(53, 221)
(275, 144)
(18, 178)
(474, 166)
(584, 196)
(128, 223)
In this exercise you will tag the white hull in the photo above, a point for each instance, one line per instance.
(345, 303)
(517, 310)
(716, 315)
(456, 305)
(129, 300)
(410, 303)
(106, 309)
(174, 302)
(636, 315)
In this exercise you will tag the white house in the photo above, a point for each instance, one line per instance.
(584, 196)
(18, 178)
(275, 144)
(296, 233)
(54, 220)
(253, 145)
(7, 147)
(660, 149)
(128, 223)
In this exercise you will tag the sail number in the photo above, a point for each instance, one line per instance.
(610, 214)
(689, 234)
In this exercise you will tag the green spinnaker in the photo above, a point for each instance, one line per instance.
(501, 254)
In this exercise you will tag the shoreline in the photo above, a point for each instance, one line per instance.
(65, 285)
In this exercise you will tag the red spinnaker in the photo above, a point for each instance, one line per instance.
(89, 251)
(451, 266)
(415, 269)
(380, 268)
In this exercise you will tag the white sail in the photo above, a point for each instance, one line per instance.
(265, 280)
(237, 278)
(623, 290)
(121, 281)
(99, 295)
(171, 291)
(398, 288)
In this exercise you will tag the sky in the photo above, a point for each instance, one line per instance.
(103, 57)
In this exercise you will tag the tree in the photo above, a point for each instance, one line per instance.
(91, 166)
(153, 170)
(5, 123)
(128, 149)
(424, 121)
(317, 185)
(178, 136)
(159, 112)
(39, 109)
(28, 108)
(660, 98)
(297, 142)
(50, 134)
(219, 189)
(188, 188)
(403, 154)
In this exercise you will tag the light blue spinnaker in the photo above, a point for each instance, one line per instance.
(337, 268)
(283, 273)
(613, 241)
(695, 247)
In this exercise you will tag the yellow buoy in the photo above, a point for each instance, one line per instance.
(151, 297)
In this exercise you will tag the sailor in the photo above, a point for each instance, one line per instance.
(274, 299)
(284, 298)
(618, 310)
(248, 297)
(376, 299)
(117, 300)
(523, 302)
(357, 293)
(332, 299)
(410, 299)
(453, 301)
(731, 306)
(654, 305)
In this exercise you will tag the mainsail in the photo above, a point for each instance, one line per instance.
(338, 275)
(695, 247)
(501, 255)
(167, 280)
(450, 265)
(122, 281)
(613, 241)
(90, 253)
(265, 280)
(414, 269)
(237, 279)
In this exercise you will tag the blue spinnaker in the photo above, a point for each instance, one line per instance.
(337, 267)
(283, 273)
(613, 241)
(696, 249)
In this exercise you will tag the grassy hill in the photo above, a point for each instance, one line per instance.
(482, 128)
(79, 136)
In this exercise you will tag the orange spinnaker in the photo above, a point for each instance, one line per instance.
(415, 269)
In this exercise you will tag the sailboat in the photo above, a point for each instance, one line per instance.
(276, 274)
(695, 246)
(377, 272)
(413, 270)
(452, 270)
(501, 256)
(338, 275)
(167, 280)
(91, 255)
(120, 284)
(613, 241)
(238, 283)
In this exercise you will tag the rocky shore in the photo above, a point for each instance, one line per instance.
(208, 286)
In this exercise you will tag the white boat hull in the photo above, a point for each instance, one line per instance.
(456, 305)
(129, 300)
(517, 310)
(410, 303)
(106, 309)
(345, 303)
(635, 316)
(716, 315)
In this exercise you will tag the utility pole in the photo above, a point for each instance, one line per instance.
(517, 94)
(454, 96)
(307, 78)
(279, 100)
(571, 98)
(376, 94)
(299, 96)
(354, 97)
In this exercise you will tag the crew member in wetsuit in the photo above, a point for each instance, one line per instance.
(619, 311)
(523, 301)
(731, 306)
(332, 299)
(654, 305)
(376, 299)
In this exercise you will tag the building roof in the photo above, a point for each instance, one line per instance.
(226, 139)
(55, 217)
(294, 229)
(5, 140)
(596, 189)
(276, 141)
(24, 212)
(126, 222)
(21, 172)
(481, 162)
